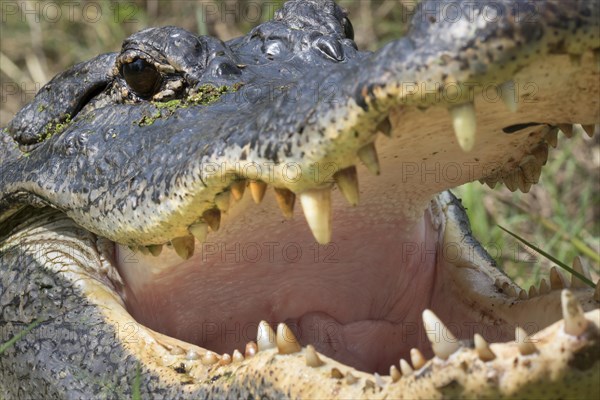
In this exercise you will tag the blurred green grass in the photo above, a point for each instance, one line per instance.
(560, 214)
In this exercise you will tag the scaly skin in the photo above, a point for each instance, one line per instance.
(135, 172)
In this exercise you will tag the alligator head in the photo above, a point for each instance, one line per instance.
(131, 260)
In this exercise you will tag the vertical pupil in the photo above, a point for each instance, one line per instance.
(141, 76)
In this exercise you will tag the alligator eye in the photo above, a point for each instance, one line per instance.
(348, 28)
(142, 77)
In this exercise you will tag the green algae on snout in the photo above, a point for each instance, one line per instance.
(54, 128)
(203, 96)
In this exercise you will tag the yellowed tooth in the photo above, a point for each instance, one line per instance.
(225, 359)
(567, 129)
(524, 343)
(580, 267)
(199, 230)
(336, 373)
(557, 280)
(237, 356)
(209, 358)
(351, 379)
(385, 127)
(286, 340)
(347, 181)
(483, 349)
(417, 358)
(395, 373)
(509, 96)
(589, 129)
(532, 291)
(316, 204)
(464, 122)
(573, 317)
(511, 181)
(544, 288)
(405, 367)
(237, 189)
(311, 356)
(265, 337)
(251, 349)
(184, 246)
(258, 190)
(541, 154)
(155, 249)
(523, 295)
(552, 137)
(144, 250)
(285, 201)
(368, 155)
(509, 289)
(523, 184)
(442, 340)
(212, 218)
(223, 200)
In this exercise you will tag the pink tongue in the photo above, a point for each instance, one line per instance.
(351, 299)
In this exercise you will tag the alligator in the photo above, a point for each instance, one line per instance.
(143, 255)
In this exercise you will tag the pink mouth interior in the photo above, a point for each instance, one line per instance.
(358, 299)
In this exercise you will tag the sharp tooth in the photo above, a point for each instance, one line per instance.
(532, 291)
(285, 200)
(265, 338)
(405, 367)
(417, 358)
(552, 137)
(155, 249)
(212, 218)
(523, 295)
(258, 189)
(464, 122)
(200, 231)
(395, 373)
(574, 319)
(509, 290)
(385, 127)
(209, 358)
(567, 129)
(144, 250)
(541, 154)
(286, 341)
(442, 340)
(316, 204)
(523, 183)
(237, 189)
(509, 96)
(368, 155)
(511, 181)
(526, 347)
(491, 182)
(589, 129)
(544, 288)
(251, 349)
(557, 280)
(483, 349)
(192, 355)
(312, 358)
(222, 201)
(351, 379)
(225, 359)
(237, 356)
(184, 246)
(580, 267)
(530, 169)
(347, 181)
(597, 292)
(336, 373)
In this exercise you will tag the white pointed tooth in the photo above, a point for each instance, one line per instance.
(285, 200)
(405, 367)
(347, 181)
(509, 96)
(417, 358)
(541, 154)
(225, 359)
(581, 267)
(351, 379)
(184, 246)
(368, 155)
(199, 230)
(155, 249)
(316, 204)
(567, 129)
(544, 288)
(525, 344)
(237, 189)
(442, 340)
(286, 340)
(209, 358)
(557, 280)
(574, 319)
(533, 292)
(312, 357)
(483, 348)
(552, 137)
(265, 338)
(597, 292)
(589, 129)
(395, 373)
(237, 356)
(251, 348)
(464, 122)
(258, 190)
(223, 200)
